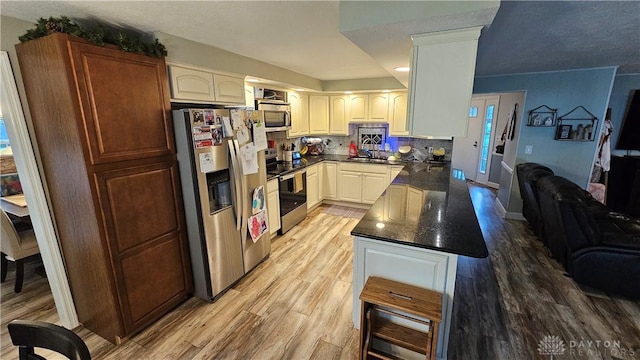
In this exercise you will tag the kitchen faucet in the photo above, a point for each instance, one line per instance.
(373, 153)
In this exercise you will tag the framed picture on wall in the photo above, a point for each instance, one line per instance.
(564, 132)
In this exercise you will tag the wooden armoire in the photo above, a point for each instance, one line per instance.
(102, 121)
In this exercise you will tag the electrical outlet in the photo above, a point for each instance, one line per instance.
(528, 149)
(430, 149)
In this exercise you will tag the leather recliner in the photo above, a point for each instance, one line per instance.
(528, 175)
(598, 248)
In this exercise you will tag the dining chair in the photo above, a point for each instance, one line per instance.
(15, 246)
(28, 335)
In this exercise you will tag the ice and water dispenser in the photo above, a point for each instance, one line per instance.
(219, 187)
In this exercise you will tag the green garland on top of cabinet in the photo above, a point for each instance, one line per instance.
(99, 34)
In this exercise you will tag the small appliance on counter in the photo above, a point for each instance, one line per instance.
(315, 146)
(438, 154)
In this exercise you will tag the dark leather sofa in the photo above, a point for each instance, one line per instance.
(599, 248)
(528, 176)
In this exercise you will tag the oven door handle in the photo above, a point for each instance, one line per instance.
(291, 176)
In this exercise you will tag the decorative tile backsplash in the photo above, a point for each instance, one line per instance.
(372, 138)
(339, 145)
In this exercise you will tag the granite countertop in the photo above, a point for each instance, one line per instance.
(310, 160)
(314, 159)
(426, 206)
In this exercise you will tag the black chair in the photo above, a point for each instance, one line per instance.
(528, 175)
(597, 247)
(28, 335)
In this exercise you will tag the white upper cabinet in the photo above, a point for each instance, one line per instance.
(299, 114)
(339, 115)
(441, 82)
(318, 114)
(249, 99)
(190, 84)
(398, 114)
(378, 107)
(229, 89)
(203, 86)
(359, 106)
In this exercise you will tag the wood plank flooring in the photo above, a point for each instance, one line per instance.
(297, 304)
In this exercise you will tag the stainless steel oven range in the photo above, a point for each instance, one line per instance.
(293, 199)
(292, 190)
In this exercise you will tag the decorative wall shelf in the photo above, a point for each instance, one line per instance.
(578, 127)
(542, 116)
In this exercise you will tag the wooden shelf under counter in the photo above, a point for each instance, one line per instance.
(383, 300)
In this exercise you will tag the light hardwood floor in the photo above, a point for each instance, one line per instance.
(297, 304)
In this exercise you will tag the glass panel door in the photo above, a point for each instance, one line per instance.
(486, 139)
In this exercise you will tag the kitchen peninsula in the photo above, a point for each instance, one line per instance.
(414, 234)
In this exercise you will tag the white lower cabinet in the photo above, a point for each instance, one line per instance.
(395, 170)
(373, 186)
(321, 170)
(415, 202)
(313, 188)
(350, 186)
(430, 269)
(349, 182)
(330, 181)
(273, 205)
(395, 203)
(362, 183)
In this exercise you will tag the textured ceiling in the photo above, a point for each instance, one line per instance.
(530, 36)
(304, 36)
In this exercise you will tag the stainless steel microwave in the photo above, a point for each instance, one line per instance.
(276, 115)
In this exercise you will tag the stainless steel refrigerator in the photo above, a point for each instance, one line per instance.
(218, 197)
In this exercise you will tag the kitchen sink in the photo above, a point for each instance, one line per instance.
(379, 161)
(370, 160)
(359, 159)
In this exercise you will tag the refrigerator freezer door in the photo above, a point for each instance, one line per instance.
(224, 252)
(214, 239)
(254, 253)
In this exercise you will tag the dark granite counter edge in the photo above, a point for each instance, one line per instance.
(459, 190)
(423, 246)
(459, 233)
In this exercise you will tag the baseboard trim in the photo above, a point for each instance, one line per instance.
(501, 209)
(514, 216)
(346, 203)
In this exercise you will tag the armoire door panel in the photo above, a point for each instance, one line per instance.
(125, 104)
(152, 281)
(139, 204)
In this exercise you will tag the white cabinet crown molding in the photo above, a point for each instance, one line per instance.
(200, 68)
(447, 36)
